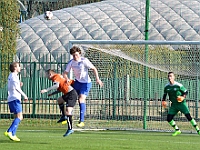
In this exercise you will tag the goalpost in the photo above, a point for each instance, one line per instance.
(134, 80)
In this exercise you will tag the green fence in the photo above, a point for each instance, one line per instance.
(118, 104)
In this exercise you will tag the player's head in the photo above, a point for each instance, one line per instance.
(171, 77)
(15, 67)
(50, 73)
(75, 52)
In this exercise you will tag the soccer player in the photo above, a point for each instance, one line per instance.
(177, 94)
(14, 100)
(80, 66)
(69, 96)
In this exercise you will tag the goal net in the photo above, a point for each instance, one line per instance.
(134, 75)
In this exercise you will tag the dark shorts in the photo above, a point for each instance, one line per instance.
(70, 98)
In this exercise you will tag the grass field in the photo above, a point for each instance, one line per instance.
(52, 139)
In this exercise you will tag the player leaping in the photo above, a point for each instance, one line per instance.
(69, 95)
(177, 93)
(80, 66)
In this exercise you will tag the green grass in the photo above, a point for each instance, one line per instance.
(52, 139)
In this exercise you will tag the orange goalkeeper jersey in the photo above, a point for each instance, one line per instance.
(63, 85)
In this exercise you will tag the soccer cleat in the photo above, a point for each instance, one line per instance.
(15, 138)
(11, 137)
(80, 124)
(62, 118)
(198, 132)
(176, 133)
(68, 133)
(8, 134)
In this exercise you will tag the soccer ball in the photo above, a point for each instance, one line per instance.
(48, 15)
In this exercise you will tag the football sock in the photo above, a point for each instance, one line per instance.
(82, 111)
(61, 106)
(14, 126)
(194, 124)
(69, 122)
(173, 124)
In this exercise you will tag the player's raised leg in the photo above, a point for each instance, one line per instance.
(84, 89)
(82, 107)
(61, 102)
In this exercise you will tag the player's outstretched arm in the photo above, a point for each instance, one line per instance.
(55, 86)
(98, 81)
(65, 75)
(55, 92)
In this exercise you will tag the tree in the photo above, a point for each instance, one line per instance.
(9, 31)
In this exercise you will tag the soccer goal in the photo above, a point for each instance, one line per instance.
(134, 75)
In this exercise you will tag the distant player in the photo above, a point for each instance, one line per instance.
(80, 66)
(14, 100)
(69, 95)
(177, 94)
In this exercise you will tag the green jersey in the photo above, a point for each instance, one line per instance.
(173, 91)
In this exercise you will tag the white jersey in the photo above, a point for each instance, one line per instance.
(14, 88)
(80, 69)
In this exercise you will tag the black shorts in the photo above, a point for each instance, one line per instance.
(70, 98)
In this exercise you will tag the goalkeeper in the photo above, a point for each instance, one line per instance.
(177, 93)
(69, 96)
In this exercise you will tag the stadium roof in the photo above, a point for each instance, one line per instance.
(110, 20)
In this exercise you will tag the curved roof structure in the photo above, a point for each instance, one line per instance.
(110, 20)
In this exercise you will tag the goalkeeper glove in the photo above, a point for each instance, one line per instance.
(180, 98)
(164, 104)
